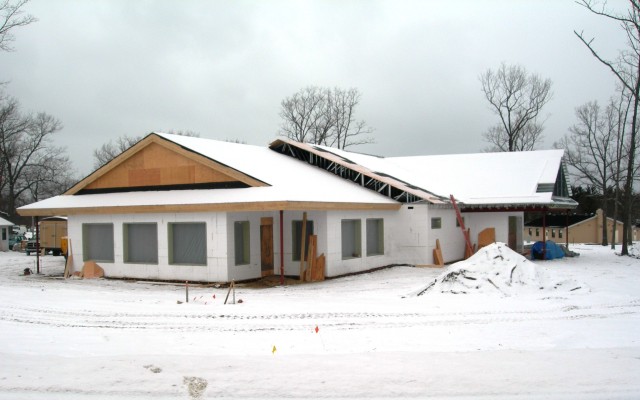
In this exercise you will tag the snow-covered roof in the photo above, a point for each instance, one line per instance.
(480, 179)
(289, 184)
(4, 222)
(486, 178)
(284, 182)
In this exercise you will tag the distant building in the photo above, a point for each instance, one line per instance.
(5, 232)
(582, 228)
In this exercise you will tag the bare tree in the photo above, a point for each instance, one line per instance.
(591, 149)
(110, 150)
(303, 114)
(621, 107)
(52, 173)
(11, 17)
(527, 140)
(324, 116)
(348, 131)
(517, 98)
(626, 67)
(25, 152)
(113, 148)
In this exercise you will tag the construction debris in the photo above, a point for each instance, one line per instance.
(90, 270)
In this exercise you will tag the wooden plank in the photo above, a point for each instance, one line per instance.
(303, 242)
(428, 266)
(311, 256)
(317, 274)
(437, 254)
(69, 262)
(486, 237)
(232, 287)
(469, 250)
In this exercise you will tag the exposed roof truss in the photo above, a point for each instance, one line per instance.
(384, 184)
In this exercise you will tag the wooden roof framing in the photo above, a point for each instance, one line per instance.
(382, 183)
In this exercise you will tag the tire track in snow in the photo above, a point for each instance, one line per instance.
(283, 322)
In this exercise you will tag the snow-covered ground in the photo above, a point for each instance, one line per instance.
(562, 329)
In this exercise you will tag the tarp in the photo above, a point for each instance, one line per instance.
(552, 251)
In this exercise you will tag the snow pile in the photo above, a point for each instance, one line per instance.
(494, 269)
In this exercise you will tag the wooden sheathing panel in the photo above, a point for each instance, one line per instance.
(156, 165)
(200, 168)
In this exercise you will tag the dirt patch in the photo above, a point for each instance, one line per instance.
(195, 386)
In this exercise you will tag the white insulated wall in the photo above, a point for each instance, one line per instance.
(336, 265)
(253, 268)
(319, 219)
(216, 228)
(408, 239)
(498, 220)
(291, 267)
(451, 238)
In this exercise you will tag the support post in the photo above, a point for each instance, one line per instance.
(281, 248)
(566, 229)
(37, 246)
(303, 244)
(544, 234)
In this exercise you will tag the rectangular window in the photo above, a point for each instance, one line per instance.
(436, 223)
(351, 238)
(560, 233)
(140, 243)
(296, 242)
(188, 243)
(241, 242)
(4, 233)
(553, 233)
(97, 242)
(530, 231)
(537, 232)
(375, 236)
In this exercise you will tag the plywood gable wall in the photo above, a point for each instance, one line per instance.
(156, 165)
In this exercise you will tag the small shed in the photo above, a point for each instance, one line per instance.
(574, 228)
(5, 232)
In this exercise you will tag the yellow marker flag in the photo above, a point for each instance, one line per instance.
(274, 350)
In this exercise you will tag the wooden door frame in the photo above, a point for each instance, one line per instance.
(266, 221)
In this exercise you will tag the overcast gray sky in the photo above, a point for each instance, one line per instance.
(221, 68)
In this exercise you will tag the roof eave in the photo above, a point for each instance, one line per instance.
(209, 207)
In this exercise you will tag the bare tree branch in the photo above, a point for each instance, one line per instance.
(627, 69)
(324, 116)
(517, 98)
(11, 17)
(26, 153)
